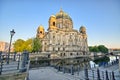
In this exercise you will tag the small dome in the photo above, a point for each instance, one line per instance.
(40, 28)
(82, 29)
(53, 16)
(63, 15)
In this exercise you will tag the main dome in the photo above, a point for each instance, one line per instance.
(63, 15)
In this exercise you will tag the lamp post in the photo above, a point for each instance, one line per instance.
(11, 35)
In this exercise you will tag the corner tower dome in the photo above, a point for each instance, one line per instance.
(40, 32)
(40, 28)
(82, 30)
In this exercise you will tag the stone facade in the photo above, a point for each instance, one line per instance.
(61, 40)
(4, 47)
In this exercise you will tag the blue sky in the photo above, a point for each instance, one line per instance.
(101, 18)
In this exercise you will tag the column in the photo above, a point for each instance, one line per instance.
(24, 61)
(86, 74)
(119, 63)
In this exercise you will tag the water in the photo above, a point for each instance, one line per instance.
(80, 63)
(111, 59)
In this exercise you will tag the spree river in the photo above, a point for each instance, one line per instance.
(76, 63)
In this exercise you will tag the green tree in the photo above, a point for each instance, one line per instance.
(102, 59)
(100, 48)
(28, 45)
(36, 45)
(19, 45)
(93, 49)
(103, 49)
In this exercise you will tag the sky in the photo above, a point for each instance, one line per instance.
(100, 17)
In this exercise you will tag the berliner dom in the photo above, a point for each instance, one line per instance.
(61, 40)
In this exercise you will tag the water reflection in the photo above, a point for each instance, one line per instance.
(79, 63)
(104, 61)
(76, 63)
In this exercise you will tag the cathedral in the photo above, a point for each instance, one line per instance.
(61, 40)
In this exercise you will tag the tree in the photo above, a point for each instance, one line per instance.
(102, 59)
(36, 45)
(28, 45)
(93, 49)
(19, 45)
(103, 49)
(100, 48)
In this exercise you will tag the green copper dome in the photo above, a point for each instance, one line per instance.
(63, 15)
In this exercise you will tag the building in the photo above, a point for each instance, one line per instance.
(61, 40)
(114, 50)
(4, 47)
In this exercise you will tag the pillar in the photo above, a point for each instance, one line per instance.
(106, 75)
(14, 59)
(113, 77)
(86, 74)
(24, 61)
(119, 63)
(0, 62)
(98, 74)
(72, 72)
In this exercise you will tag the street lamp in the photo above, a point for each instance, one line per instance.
(11, 33)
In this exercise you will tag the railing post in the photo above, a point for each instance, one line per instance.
(113, 76)
(72, 72)
(103, 74)
(28, 66)
(14, 59)
(93, 74)
(63, 69)
(0, 56)
(86, 74)
(0, 62)
(119, 63)
(18, 61)
(98, 74)
(106, 75)
(58, 68)
(78, 69)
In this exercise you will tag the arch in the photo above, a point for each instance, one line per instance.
(71, 54)
(64, 54)
(53, 23)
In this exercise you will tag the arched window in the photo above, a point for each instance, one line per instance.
(53, 23)
(53, 49)
(41, 32)
(77, 53)
(63, 49)
(45, 43)
(64, 54)
(60, 54)
(58, 49)
(71, 54)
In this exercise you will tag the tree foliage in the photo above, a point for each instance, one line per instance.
(102, 59)
(100, 48)
(19, 45)
(93, 49)
(103, 49)
(29, 45)
(36, 45)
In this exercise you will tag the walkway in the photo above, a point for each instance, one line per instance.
(49, 73)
